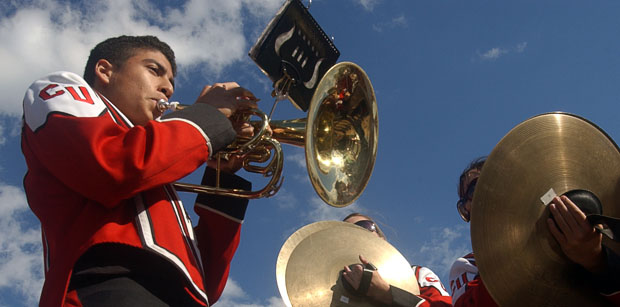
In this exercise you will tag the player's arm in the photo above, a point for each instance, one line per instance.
(218, 230)
(432, 289)
(582, 244)
(90, 148)
(608, 281)
(467, 286)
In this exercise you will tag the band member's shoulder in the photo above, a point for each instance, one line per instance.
(60, 93)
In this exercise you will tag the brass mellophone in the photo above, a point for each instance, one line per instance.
(339, 136)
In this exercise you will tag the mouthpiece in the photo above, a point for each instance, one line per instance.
(163, 105)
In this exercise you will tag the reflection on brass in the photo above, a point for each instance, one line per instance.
(260, 148)
(342, 140)
(310, 261)
(519, 260)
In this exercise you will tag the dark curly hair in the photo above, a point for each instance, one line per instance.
(118, 49)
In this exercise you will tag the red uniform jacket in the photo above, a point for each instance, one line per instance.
(466, 285)
(432, 291)
(469, 290)
(95, 178)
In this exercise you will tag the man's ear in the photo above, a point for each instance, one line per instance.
(103, 72)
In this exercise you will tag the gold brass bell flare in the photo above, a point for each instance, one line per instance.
(309, 264)
(519, 260)
(340, 138)
(342, 134)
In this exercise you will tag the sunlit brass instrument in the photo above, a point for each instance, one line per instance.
(341, 131)
(257, 149)
(339, 136)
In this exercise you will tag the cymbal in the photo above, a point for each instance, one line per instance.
(289, 246)
(519, 260)
(310, 261)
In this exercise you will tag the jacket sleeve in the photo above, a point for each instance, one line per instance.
(218, 230)
(608, 282)
(81, 139)
(432, 291)
(467, 286)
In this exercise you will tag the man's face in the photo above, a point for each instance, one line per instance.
(470, 176)
(137, 85)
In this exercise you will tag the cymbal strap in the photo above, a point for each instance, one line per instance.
(362, 289)
(611, 226)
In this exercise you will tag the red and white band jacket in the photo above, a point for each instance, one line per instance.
(93, 178)
(466, 285)
(432, 291)
(469, 290)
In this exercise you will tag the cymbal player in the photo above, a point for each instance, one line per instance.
(432, 291)
(579, 241)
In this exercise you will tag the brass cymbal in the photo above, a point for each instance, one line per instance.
(289, 246)
(310, 261)
(519, 260)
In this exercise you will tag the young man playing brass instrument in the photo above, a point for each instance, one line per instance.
(101, 159)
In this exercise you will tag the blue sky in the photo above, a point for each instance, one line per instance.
(451, 78)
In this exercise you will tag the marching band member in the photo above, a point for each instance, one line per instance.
(465, 283)
(578, 239)
(432, 291)
(101, 159)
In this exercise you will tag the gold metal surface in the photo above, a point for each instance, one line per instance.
(260, 148)
(289, 246)
(310, 261)
(291, 131)
(342, 137)
(520, 262)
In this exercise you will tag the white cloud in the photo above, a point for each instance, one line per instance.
(297, 157)
(21, 255)
(521, 47)
(320, 211)
(295, 165)
(493, 53)
(368, 5)
(285, 199)
(10, 127)
(41, 36)
(2, 136)
(234, 296)
(400, 21)
(445, 245)
(496, 52)
(396, 22)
